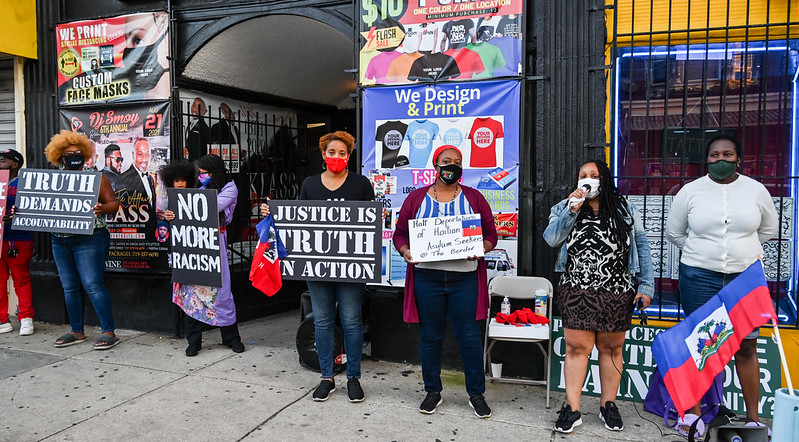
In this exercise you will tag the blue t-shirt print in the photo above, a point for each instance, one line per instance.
(420, 134)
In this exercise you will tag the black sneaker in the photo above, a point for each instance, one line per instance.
(478, 404)
(611, 417)
(430, 402)
(323, 391)
(354, 390)
(567, 419)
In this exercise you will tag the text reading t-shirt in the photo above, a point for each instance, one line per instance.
(432, 67)
(421, 134)
(355, 188)
(391, 134)
(484, 134)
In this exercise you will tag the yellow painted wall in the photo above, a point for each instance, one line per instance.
(651, 19)
(18, 31)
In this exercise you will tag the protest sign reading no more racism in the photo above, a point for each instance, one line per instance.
(56, 201)
(196, 255)
(330, 240)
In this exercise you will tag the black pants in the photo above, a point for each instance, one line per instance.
(194, 332)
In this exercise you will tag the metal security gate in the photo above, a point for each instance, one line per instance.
(684, 71)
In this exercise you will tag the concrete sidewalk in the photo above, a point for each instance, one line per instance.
(146, 388)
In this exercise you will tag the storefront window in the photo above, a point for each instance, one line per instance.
(669, 101)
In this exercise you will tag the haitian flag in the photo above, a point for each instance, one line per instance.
(693, 352)
(265, 269)
(472, 227)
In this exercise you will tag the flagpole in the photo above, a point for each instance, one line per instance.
(782, 357)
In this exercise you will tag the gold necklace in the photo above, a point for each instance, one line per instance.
(435, 194)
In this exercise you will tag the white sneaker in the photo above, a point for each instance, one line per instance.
(26, 326)
(5, 327)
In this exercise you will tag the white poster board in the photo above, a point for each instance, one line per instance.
(446, 238)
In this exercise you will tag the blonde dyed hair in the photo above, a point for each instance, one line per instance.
(60, 141)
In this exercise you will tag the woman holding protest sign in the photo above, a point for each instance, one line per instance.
(80, 259)
(602, 245)
(204, 304)
(337, 184)
(454, 288)
(720, 222)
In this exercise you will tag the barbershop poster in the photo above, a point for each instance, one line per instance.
(113, 60)
(404, 125)
(130, 143)
(407, 41)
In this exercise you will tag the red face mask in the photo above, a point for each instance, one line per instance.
(336, 164)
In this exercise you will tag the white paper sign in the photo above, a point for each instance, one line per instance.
(446, 238)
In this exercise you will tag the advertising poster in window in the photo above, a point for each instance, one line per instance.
(130, 144)
(113, 60)
(408, 41)
(404, 125)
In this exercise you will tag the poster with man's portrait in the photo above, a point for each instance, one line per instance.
(131, 143)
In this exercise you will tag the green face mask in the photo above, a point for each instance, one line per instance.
(722, 169)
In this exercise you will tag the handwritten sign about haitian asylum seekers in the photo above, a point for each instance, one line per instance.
(446, 238)
(56, 201)
(330, 240)
(196, 255)
(3, 202)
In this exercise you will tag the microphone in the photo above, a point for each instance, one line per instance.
(573, 201)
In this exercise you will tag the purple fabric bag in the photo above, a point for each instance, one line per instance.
(658, 401)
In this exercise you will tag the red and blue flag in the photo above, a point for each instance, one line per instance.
(693, 352)
(472, 227)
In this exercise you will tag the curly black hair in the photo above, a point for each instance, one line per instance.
(613, 208)
(179, 170)
(215, 165)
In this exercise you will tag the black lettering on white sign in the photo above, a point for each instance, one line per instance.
(56, 201)
(196, 255)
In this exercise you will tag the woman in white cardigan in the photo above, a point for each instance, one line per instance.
(720, 222)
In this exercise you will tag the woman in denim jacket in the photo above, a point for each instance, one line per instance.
(603, 245)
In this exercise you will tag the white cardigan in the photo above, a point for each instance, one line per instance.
(721, 227)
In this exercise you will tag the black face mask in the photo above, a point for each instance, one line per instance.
(74, 161)
(142, 68)
(450, 173)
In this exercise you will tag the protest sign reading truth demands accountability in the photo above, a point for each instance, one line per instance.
(56, 201)
(330, 240)
(446, 238)
(196, 255)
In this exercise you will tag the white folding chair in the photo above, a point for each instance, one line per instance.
(519, 287)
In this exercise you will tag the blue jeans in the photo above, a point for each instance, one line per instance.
(324, 296)
(81, 261)
(698, 285)
(440, 294)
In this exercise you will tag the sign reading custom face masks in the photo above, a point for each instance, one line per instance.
(131, 142)
(330, 240)
(446, 238)
(56, 201)
(115, 59)
(406, 41)
(196, 256)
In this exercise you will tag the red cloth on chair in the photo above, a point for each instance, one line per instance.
(521, 317)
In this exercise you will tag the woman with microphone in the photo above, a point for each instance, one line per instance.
(603, 246)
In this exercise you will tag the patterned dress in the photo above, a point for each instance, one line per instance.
(596, 291)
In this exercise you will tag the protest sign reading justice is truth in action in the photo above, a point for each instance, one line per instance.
(330, 240)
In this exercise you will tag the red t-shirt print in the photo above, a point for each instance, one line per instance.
(484, 134)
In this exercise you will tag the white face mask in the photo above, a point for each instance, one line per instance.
(593, 184)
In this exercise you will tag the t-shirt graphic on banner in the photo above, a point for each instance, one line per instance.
(421, 134)
(452, 137)
(400, 68)
(391, 134)
(432, 67)
(490, 55)
(468, 61)
(458, 33)
(429, 37)
(484, 134)
(378, 66)
(511, 49)
(510, 26)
